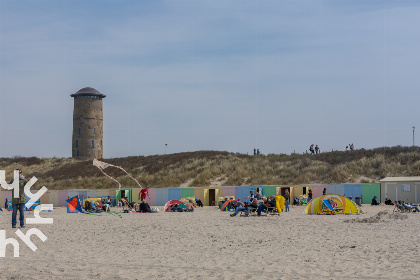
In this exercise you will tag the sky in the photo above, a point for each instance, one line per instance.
(211, 74)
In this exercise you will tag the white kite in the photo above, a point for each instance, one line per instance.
(102, 165)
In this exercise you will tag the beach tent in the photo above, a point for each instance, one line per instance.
(171, 202)
(73, 205)
(225, 204)
(93, 200)
(9, 205)
(35, 204)
(316, 205)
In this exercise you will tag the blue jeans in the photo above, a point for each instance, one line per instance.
(286, 205)
(260, 208)
(21, 207)
(239, 209)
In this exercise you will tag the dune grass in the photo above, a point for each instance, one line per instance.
(203, 168)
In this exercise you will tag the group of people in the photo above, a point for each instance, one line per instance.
(189, 207)
(405, 206)
(351, 146)
(142, 207)
(255, 206)
(314, 149)
(256, 152)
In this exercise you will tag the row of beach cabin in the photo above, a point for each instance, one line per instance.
(394, 188)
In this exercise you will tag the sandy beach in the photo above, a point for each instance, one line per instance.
(209, 244)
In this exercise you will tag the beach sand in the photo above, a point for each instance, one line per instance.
(209, 244)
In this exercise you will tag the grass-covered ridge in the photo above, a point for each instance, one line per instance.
(205, 168)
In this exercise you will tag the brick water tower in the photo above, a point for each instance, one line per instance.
(87, 140)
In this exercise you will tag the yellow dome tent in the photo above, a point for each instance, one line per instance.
(332, 204)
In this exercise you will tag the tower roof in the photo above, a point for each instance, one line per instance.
(88, 91)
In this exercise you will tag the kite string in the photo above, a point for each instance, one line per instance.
(119, 185)
(128, 175)
(100, 168)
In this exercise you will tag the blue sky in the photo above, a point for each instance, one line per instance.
(211, 74)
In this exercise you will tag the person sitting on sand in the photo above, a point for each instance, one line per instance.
(199, 203)
(176, 208)
(145, 207)
(388, 201)
(189, 207)
(374, 201)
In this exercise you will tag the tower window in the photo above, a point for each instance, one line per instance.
(89, 105)
(94, 130)
(77, 154)
(77, 143)
(94, 153)
(80, 130)
(93, 144)
(101, 142)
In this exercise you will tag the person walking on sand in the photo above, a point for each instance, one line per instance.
(287, 200)
(19, 202)
(144, 192)
(316, 149)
